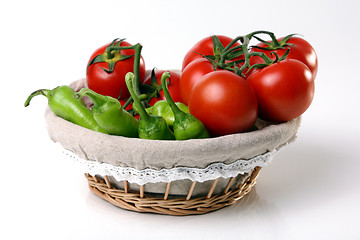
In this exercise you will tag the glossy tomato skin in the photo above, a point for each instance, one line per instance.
(284, 90)
(205, 47)
(301, 51)
(112, 84)
(191, 74)
(224, 102)
(173, 86)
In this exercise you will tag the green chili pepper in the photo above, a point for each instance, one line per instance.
(150, 126)
(186, 126)
(162, 108)
(65, 103)
(110, 115)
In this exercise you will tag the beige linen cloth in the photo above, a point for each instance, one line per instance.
(143, 154)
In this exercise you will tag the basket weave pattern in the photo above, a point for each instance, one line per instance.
(143, 202)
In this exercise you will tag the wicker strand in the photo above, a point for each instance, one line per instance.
(212, 188)
(142, 191)
(191, 190)
(231, 181)
(107, 182)
(166, 195)
(126, 186)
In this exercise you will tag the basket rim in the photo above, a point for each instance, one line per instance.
(157, 154)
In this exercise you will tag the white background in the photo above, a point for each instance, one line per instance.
(310, 191)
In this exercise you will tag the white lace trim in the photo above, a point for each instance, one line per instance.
(141, 177)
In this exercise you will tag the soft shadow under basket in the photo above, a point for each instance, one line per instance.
(170, 177)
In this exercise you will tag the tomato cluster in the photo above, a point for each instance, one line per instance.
(226, 83)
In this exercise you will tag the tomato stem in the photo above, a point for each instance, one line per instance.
(232, 43)
(110, 49)
(228, 52)
(272, 35)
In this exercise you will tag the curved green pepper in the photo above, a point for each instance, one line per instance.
(162, 108)
(65, 103)
(186, 126)
(150, 126)
(110, 115)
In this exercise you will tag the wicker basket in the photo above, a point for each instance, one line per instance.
(171, 194)
(139, 201)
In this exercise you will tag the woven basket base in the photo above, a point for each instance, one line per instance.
(144, 202)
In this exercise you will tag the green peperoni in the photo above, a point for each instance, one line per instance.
(110, 115)
(150, 126)
(185, 126)
(65, 103)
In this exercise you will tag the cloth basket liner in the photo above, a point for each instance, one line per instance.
(142, 161)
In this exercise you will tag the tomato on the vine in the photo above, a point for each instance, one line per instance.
(101, 79)
(224, 102)
(205, 47)
(284, 90)
(300, 50)
(173, 86)
(191, 74)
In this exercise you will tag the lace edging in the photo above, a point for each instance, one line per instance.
(142, 177)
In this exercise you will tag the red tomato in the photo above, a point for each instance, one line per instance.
(191, 74)
(205, 47)
(129, 107)
(284, 90)
(112, 84)
(173, 86)
(301, 51)
(122, 102)
(224, 102)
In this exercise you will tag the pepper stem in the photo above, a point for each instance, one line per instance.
(130, 82)
(137, 48)
(176, 110)
(97, 99)
(43, 92)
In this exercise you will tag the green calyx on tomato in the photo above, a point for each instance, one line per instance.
(111, 55)
(235, 57)
(153, 87)
(210, 47)
(267, 61)
(224, 57)
(300, 50)
(232, 51)
(108, 65)
(241, 65)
